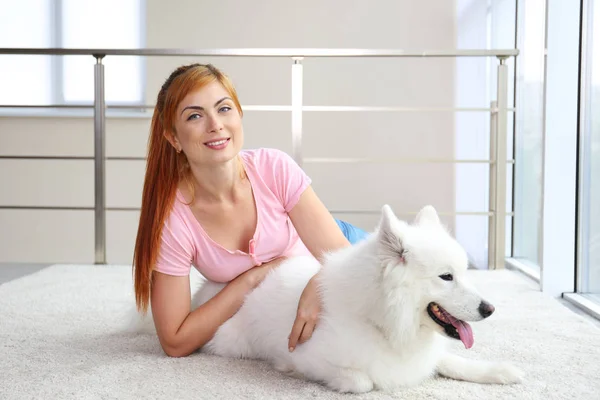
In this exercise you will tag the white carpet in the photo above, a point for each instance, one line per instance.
(59, 338)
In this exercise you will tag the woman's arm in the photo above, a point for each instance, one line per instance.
(316, 226)
(321, 234)
(182, 331)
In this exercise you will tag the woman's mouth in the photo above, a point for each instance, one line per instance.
(218, 144)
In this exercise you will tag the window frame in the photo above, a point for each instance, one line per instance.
(57, 83)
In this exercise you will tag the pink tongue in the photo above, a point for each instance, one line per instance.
(464, 331)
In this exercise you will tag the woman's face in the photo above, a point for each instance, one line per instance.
(208, 126)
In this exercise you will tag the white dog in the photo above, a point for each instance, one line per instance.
(389, 305)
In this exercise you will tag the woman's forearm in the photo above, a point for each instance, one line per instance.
(201, 324)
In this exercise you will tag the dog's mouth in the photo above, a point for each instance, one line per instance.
(455, 328)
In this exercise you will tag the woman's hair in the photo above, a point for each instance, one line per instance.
(165, 168)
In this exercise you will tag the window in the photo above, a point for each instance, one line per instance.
(480, 25)
(42, 80)
(25, 79)
(589, 182)
(529, 130)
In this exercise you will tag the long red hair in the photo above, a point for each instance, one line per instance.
(165, 169)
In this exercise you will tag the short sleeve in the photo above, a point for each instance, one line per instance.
(176, 248)
(288, 179)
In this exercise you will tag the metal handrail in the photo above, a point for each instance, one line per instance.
(310, 160)
(253, 107)
(498, 117)
(264, 52)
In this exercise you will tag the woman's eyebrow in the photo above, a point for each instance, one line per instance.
(202, 108)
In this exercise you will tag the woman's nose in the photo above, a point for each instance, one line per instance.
(215, 124)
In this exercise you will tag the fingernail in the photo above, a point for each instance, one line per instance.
(291, 349)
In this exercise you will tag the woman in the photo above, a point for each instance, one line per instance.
(234, 214)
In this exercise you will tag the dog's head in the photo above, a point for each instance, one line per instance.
(424, 266)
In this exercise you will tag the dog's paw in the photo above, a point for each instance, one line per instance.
(505, 374)
(283, 367)
(287, 369)
(351, 382)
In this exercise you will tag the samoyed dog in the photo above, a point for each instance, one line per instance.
(390, 305)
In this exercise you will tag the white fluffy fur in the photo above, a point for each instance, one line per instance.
(374, 331)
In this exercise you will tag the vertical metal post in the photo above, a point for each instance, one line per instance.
(499, 210)
(99, 163)
(492, 185)
(58, 94)
(297, 109)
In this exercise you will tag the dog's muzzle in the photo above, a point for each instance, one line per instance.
(453, 327)
(486, 309)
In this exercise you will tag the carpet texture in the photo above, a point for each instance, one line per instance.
(61, 337)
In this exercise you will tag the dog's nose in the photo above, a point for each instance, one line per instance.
(486, 309)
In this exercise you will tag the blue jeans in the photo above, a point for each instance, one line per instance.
(353, 234)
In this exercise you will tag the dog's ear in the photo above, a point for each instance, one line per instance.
(427, 216)
(390, 231)
(387, 218)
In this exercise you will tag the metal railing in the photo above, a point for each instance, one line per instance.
(498, 130)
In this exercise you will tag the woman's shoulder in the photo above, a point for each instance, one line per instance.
(278, 172)
(177, 246)
(267, 158)
(179, 218)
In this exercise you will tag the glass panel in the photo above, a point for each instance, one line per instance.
(589, 240)
(529, 130)
(95, 24)
(480, 25)
(25, 79)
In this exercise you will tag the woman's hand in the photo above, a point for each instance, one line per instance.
(309, 308)
(255, 275)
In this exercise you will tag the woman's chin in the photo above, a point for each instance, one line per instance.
(216, 157)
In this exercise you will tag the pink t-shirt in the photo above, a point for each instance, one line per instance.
(277, 181)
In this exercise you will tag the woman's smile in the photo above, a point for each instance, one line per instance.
(218, 144)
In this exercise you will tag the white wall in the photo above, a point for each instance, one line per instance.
(67, 236)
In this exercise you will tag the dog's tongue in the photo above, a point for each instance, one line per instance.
(464, 331)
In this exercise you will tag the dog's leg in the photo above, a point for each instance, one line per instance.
(287, 369)
(463, 369)
(347, 380)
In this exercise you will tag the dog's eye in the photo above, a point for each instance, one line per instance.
(447, 277)
(402, 254)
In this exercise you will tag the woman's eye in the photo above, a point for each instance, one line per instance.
(193, 116)
(225, 108)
